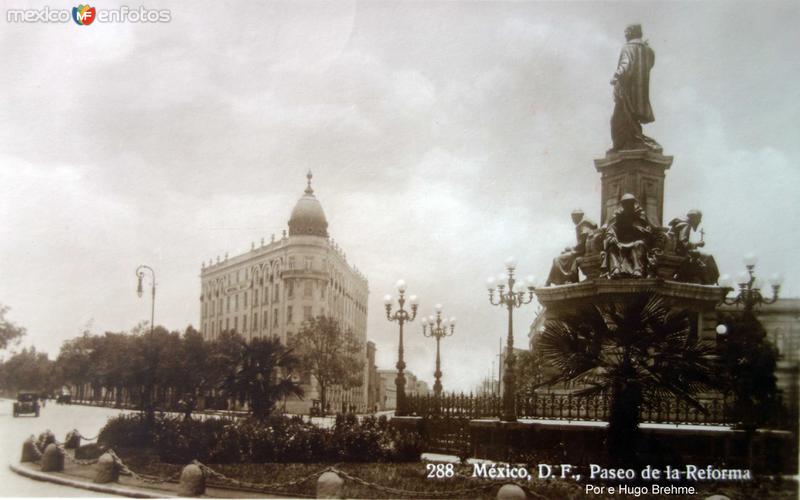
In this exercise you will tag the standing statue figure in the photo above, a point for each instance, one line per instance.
(699, 267)
(628, 239)
(632, 93)
(565, 267)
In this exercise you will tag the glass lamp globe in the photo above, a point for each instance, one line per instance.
(530, 280)
(776, 280)
(750, 259)
(511, 263)
(401, 286)
(742, 278)
(490, 283)
(414, 300)
(725, 281)
(387, 299)
(438, 307)
(453, 320)
(722, 329)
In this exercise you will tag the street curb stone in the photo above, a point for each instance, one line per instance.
(85, 485)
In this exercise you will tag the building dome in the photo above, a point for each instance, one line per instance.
(307, 218)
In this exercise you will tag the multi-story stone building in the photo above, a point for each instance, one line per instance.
(272, 289)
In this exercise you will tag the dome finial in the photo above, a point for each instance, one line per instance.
(309, 176)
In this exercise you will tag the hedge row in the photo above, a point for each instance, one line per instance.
(278, 439)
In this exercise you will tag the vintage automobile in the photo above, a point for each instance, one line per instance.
(27, 402)
(64, 398)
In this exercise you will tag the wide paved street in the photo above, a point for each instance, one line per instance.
(59, 419)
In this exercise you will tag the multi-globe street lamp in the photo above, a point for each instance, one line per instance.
(749, 295)
(140, 271)
(511, 295)
(438, 328)
(401, 316)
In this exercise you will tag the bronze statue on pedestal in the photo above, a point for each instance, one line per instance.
(565, 267)
(627, 241)
(698, 267)
(631, 84)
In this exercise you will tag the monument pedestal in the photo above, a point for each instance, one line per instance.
(639, 172)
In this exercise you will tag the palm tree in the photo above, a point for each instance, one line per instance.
(262, 376)
(635, 351)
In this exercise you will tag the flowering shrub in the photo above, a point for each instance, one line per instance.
(278, 439)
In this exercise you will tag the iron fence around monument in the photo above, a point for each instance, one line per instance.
(569, 407)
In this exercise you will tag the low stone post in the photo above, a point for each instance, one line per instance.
(53, 459)
(192, 481)
(45, 439)
(511, 492)
(30, 453)
(107, 469)
(329, 485)
(73, 440)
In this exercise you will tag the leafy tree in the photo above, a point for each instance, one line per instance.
(635, 351)
(331, 355)
(28, 370)
(748, 362)
(262, 376)
(528, 371)
(9, 332)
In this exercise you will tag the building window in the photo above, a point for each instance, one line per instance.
(228, 304)
(255, 296)
(227, 324)
(265, 320)
(275, 317)
(245, 300)
(276, 295)
(291, 262)
(322, 291)
(308, 289)
(236, 302)
(309, 263)
(306, 313)
(244, 323)
(236, 323)
(290, 289)
(288, 315)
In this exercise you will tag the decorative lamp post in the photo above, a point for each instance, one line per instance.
(140, 274)
(401, 316)
(438, 328)
(749, 295)
(512, 297)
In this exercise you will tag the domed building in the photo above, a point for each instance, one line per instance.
(276, 286)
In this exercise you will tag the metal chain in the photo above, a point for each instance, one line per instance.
(88, 439)
(126, 471)
(256, 486)
(402, 492)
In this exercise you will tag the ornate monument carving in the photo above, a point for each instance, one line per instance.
(627, 241)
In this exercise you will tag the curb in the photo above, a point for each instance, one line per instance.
(84, 485)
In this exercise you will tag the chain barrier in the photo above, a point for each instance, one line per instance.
(146, 478)
(222, 478)
(88, 439)
(256, 486)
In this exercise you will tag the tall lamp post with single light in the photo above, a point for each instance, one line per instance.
(511, 295)
(438, 328)
(140, 271)
(401, 316)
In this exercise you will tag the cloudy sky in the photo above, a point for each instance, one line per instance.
(443, 138)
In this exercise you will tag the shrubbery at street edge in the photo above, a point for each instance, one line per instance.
(277, 439)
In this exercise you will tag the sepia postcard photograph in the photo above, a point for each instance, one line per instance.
(390, 249)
